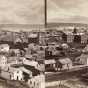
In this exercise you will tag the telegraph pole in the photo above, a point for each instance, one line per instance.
(45, 12)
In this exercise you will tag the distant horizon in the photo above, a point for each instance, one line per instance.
(37, 27)
(74, 11)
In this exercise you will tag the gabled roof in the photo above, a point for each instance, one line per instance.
(65, 61)
(32, 69)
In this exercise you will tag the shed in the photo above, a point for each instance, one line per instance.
(66, 63)
(50, 63)
(83, 59)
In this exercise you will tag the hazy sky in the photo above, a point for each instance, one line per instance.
(32, 11)
(68, 11)
(21, 11)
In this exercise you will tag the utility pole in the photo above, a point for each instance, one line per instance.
(45, 12)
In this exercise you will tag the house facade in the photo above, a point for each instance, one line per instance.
(3, 61)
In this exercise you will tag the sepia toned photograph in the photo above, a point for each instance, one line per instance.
(66, 53)
(21, 52)
(43, 44)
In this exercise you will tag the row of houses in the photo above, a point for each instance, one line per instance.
(28, 72)
(81, 38)
(77, 38)
(60, 64)
(24, 37)
(54, 35)
(25, 68)
(43, 37)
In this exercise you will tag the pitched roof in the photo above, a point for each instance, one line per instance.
(65, 61)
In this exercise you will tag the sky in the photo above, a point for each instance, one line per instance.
(75, 11)
(32, 11)
(21, 11)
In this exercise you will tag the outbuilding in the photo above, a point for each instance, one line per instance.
(83, 59)
(66, 63)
